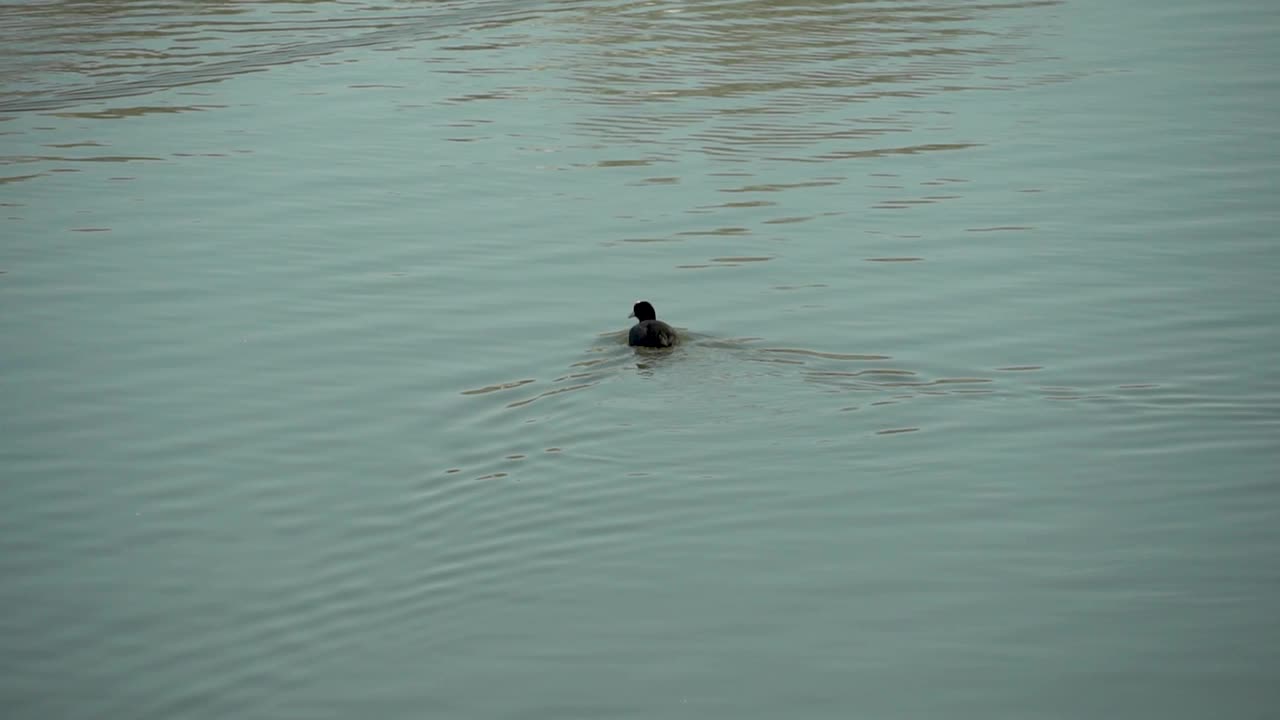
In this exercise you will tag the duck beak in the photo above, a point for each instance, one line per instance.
(633, 314)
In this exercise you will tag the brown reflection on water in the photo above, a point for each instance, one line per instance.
(62, 53)
(85, 158)
(18, 178)
(824, 355)
(791, 81)
(496, 387)
(124, 112)
(1000, 228)
(895, 431)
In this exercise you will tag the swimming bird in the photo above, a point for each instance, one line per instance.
(648, 330)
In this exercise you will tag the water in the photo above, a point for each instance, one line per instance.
(317, 402)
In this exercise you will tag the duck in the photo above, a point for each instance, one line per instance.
(649, 331)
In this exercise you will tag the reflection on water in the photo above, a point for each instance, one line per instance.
(66, 52)
(762, 80)
(746, 83)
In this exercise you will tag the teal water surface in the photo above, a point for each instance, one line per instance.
(318, 403)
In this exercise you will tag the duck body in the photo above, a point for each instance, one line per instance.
(650, 331)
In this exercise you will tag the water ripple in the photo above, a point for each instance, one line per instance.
(133, 49)
(794, 79)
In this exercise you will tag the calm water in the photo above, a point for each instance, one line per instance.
(316, 403)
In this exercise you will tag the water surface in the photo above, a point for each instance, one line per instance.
(318, 403)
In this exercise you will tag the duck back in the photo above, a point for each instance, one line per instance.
(652, 333)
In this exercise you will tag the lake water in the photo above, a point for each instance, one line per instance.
(317, 402)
